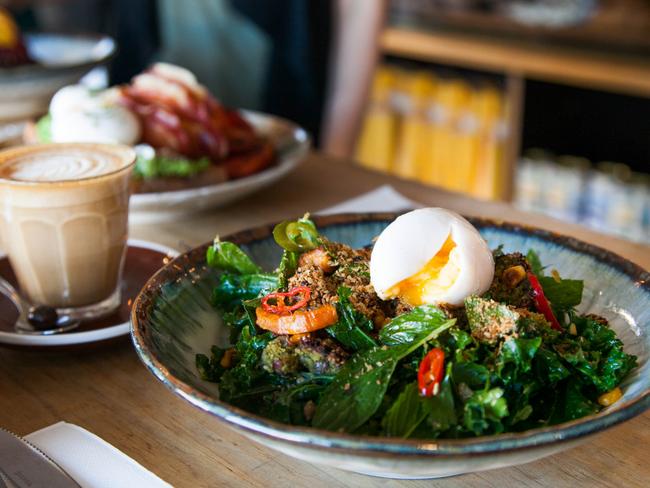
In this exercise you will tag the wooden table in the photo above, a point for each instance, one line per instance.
(109, 392)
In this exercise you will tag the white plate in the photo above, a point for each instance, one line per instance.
(82, 337)
(25, 91)
(292, 144)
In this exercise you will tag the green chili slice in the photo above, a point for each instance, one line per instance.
(296, 236)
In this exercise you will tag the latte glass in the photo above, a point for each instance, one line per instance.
(64, 223)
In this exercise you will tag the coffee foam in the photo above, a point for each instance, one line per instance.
(61, 165)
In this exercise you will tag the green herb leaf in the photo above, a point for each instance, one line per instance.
(516, 356)
(233, 288)
(210, 369)
(564, 295)
(534, 262)
(350, 329)
(572, 404)
(228, 256)
(246, 372)
(473, 375)
(441, 408)
(484, 410)
(549, 367)
(287, 267)
(359, 387)
(404, 328)
(405, 414)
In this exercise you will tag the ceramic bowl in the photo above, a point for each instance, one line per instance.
(173, 319)
(25, 91)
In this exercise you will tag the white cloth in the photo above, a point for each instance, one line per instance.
(90, 460)
(382, 199)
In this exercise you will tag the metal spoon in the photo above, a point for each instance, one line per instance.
(24, 323)
(63, 324)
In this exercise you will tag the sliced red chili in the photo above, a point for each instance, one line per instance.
(541, 302)
(280, 305)
(431, 372)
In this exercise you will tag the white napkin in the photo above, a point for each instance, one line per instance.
(382, 199)
(90, 460)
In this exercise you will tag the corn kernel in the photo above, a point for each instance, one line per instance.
(226, 359)
(572, 329)
(296, 338)
(556, 275)
(611, 397)
(514, 275)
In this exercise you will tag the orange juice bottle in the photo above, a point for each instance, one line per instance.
(411, 153)
(466, 143)
(451, 99)
(490, 176)
(376, 145)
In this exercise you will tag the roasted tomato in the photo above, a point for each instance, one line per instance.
(298, 322)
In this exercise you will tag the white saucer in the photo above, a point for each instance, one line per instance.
(143, 259)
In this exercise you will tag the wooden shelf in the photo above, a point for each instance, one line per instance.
(628, 75)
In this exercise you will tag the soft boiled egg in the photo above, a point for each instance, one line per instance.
(81, 115)
(430, 256)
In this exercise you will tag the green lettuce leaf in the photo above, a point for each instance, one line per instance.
(160, 166)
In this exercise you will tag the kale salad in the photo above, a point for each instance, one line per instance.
(322, 342)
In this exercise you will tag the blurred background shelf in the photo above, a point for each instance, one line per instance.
(571, 77)
(625, 73)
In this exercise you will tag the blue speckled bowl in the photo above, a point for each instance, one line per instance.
(172, 320)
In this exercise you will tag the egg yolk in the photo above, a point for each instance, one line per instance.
(436, 277)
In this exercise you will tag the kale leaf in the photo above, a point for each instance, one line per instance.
(210, 368)
(352, 327)
(484, 410)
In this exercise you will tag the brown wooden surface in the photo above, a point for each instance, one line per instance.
(110, 393)
(582, 68)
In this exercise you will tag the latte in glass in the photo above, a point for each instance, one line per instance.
(64, 223)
